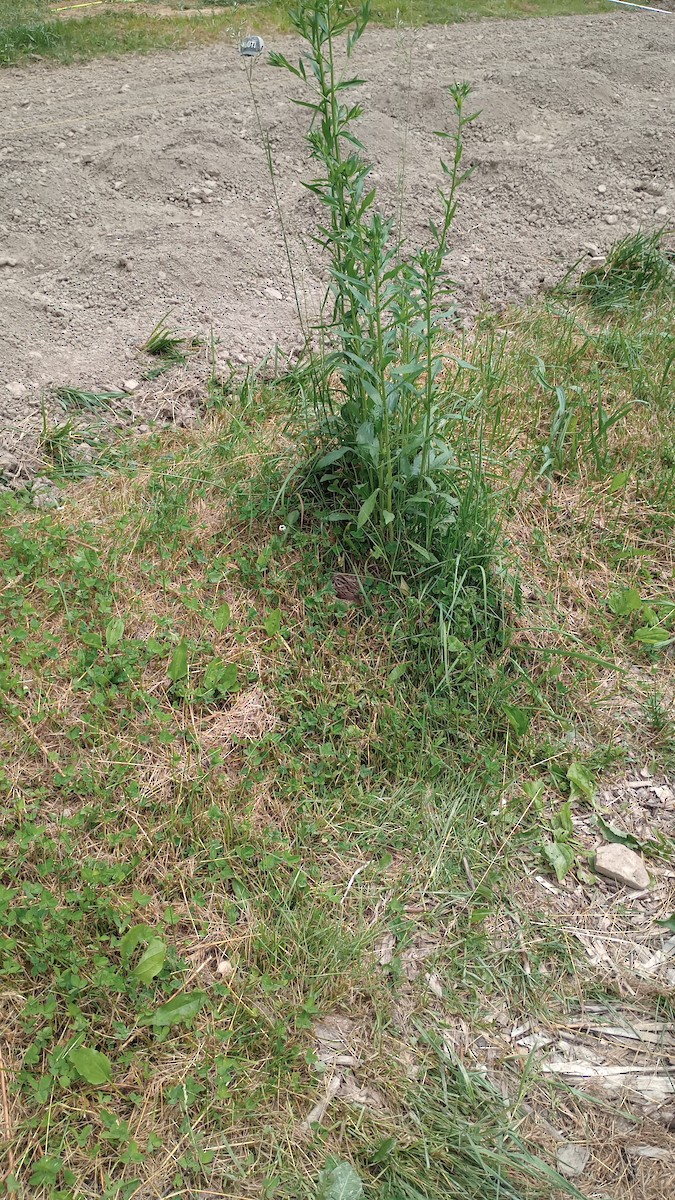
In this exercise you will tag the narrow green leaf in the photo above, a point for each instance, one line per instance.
(272, 623)
(669, 923)
(179, 662)
(221, 618)
(229, 678)
(397, 673)
(654, 635)
(367, 508)
(133, 938)
(612, 834)
(220, 676)
(619, 482)
(582, 783)
(625, 602)
(518, 719)
(114, 632)
(563, 820)
(213, 674)
(534, 790)
(177, 1011)
(151, 961)
(333, 457)
(561, 857)
(91, 1065)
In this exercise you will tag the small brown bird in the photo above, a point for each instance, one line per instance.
(347, 587)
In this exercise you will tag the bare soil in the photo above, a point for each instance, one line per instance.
(102, 232)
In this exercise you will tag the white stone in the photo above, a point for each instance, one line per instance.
(572, 1159)
(611, 219)
(622, 865)
(130, 385)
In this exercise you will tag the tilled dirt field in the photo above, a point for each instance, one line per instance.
(134, 188)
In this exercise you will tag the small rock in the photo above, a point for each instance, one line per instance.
(611, 219)
(273, 293)
(124, 263)
(42, 484)
(572, 1159)
(130, 385)
(83, 453)
(662, 211)
(653, 188)
(602, 188)
(596, 261)
(5, 261)
(9, 465)
(16, 390)
(225, 968)
(45, 501)
(622, 865)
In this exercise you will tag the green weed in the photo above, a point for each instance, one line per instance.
(389, 464)
(162, 343)
(75, 400)
(636, 268)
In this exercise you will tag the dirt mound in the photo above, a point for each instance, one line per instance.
(132, 188)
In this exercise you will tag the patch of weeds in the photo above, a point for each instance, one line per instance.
(635, 269)
(389, 466)
(170, 349)
(75, 400)
(162, 343)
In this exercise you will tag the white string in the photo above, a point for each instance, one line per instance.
(645, 7)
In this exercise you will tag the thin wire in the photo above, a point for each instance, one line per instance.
(645, 7)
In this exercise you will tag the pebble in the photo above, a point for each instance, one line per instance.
(662, 211)
(622, 865)
(130, 385)
(7, 262)
(602, 188)
(17, 391)
(653, 188)
(273, 293)
(45, 501)
(611, 219)
(9, 465)
(572, 1159)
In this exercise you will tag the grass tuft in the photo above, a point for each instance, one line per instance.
(636, 268)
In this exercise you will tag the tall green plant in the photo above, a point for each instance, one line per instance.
(385, 443)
